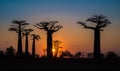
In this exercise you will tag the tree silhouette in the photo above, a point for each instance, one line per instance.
(18, 26)
(1, 54)
(50, 28)
(56, 46)
(34, 37)
(10, 52)
(26, 33)
(78, 54)
(111, 55)
(89, 55)
(101, 22)
(66, 54)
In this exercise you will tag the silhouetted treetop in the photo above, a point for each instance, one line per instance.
(100, 20)
(47, 26)
(18, 24)
(22, 22)
(27, 31)
(35, 36)
(57, 42)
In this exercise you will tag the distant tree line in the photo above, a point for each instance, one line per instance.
(10, 53)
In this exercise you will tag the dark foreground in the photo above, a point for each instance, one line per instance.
(69, 64)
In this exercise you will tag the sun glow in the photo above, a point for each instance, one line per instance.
(53, 50)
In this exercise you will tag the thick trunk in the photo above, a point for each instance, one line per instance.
(19, 50)
(49, 45)
(97, 44)
(33, 48)
(26, 46)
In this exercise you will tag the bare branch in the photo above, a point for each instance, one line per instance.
(48, 26)
(13, 29)
(35, 36)
(38, 27)
(100, 20)
(56, 28)
(82, 23)
(18, 22)
(39, 24)
(42, 25)
(92, 20)
(27, 31)
(85, 26)
(104, 23)
(25, 24)
(53, 24)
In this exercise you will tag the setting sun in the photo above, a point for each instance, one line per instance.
(53, 50)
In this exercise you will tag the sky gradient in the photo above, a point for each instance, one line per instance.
(73, 36)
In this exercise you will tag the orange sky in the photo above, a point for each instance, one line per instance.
(73, 36)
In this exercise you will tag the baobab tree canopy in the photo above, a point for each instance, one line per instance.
(27, 31)
(35, 36)
(100, 20)
(18, 24)
(48, 26)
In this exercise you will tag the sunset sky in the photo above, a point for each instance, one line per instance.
(73, 36)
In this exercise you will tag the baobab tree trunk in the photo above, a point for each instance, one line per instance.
(19, 50)
(49, 45)
(26, 46)
(97, 44)
(33, 48)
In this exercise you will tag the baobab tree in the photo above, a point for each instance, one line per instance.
(101, 22)
(56, 44)
(34, 37)
(18, 26)
(50, 28)
(26, 33)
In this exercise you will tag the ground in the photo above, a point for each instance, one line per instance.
(58, 64)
